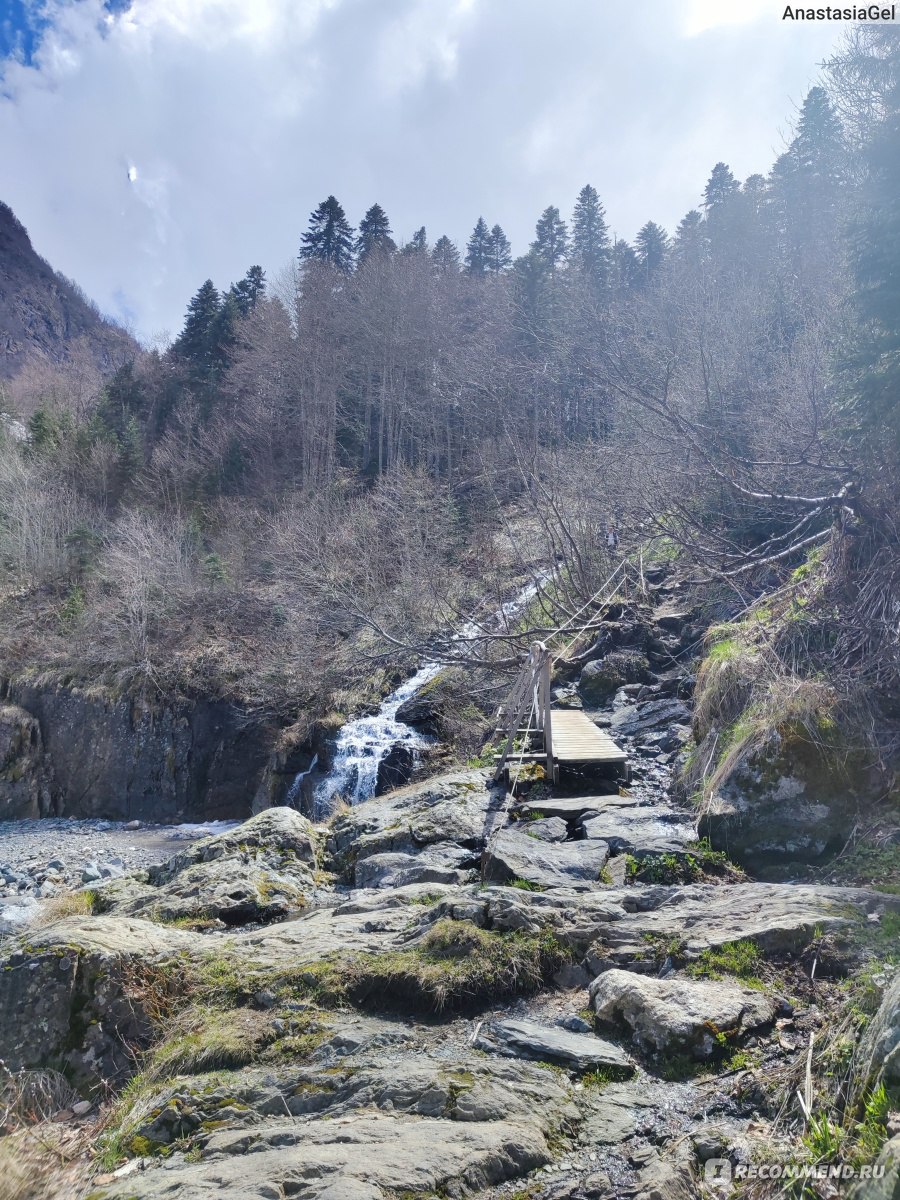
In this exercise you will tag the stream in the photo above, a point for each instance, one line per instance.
(363, 744)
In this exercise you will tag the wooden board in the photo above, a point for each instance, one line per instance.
(576, 739)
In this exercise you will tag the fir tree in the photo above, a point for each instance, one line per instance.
(720, 188)
(196, 342)
(374, 235)
(591, 253)
(478, 249)
(418, 243)
(499, 252)
(551, 240)
(626, 268)
(651, 244)
(248, 291)
(329, 238)
(690, 238)
(445, 255)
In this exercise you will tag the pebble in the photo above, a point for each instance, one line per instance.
(43, 858)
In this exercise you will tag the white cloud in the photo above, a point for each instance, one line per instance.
(188, 139)
(703, 15)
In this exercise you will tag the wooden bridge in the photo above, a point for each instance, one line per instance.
(535, 732)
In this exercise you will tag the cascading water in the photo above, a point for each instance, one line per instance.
(362, 745)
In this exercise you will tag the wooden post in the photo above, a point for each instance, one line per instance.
(548, 729)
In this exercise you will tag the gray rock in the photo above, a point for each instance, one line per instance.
(580, 1052)
(779, 803)
(26, 777)
(633, 721)
(548, 829)
(433, 864)
(678, 1015)
(386, 1124)
(568, 808)
(512, 854)
(617, 1113)
(450, 808)
(601, 678)
(261, 869)
(639, 829)
(877, 1056)
(575, 1024)
(887, 1187)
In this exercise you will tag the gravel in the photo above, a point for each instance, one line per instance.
(44, 858)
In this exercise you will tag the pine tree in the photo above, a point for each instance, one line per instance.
(591, 251)
(374, 235)
(196, 342)
(329, 238)
(652, 244)
(478, 249)
(551, 240)
(499, 251)
(720, 188)
(445, 255)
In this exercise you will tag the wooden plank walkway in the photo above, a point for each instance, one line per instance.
(576, 739)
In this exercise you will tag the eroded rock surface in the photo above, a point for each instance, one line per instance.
(692, 1016)
(261, 870)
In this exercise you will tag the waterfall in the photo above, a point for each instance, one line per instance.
(296, 787)
(363, 744)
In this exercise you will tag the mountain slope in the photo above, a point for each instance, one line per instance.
(42, 314)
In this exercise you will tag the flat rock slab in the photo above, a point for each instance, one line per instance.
(620, 1109)
(634, 720)
(529, 1039)
(361, 1156)
(443, 863)
(639, 829)
(678, 1015)
(569, 808)
(515, 855)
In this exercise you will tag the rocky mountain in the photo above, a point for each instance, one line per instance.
(42, 314)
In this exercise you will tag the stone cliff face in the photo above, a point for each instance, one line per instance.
(42, 314)
(73, 754)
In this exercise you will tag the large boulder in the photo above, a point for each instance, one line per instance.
(679, 1016)
(513, 855)
(453, 809)
(71, 995)
(602, 678)
(24, 774)
(782, 802)
(260, 870)
(640, 719)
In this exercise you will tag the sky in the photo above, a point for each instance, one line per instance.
(148, 145)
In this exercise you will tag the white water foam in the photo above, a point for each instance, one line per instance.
(362, 745)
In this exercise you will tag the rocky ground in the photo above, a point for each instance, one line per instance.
(444, 992)
(45, 858)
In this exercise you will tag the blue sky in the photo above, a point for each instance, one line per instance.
(151, 144)
(24, 22)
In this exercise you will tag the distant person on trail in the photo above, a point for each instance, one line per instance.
(612, 539)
